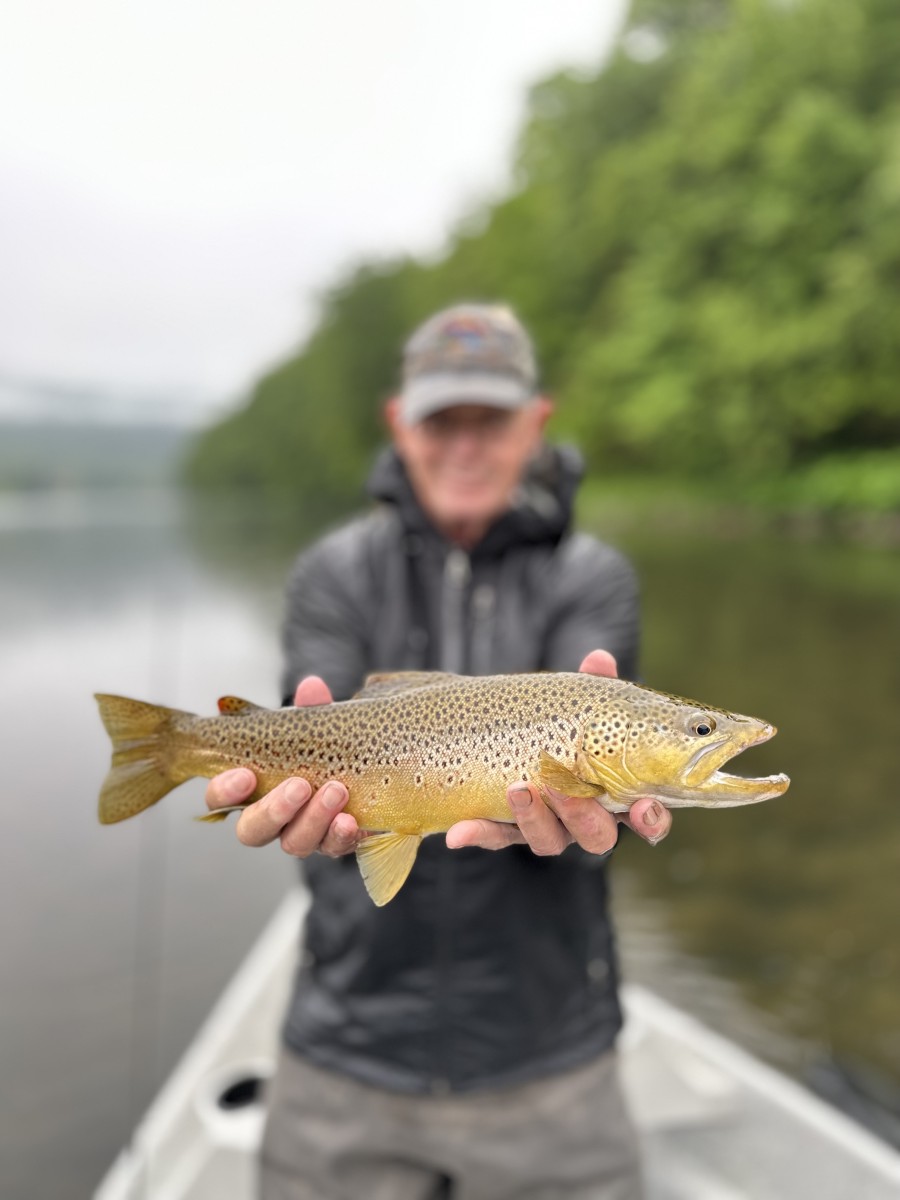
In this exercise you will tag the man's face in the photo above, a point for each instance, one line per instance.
(465, 462)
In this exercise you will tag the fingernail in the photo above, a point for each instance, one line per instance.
(653, 815)
(334, 796)
(520, 797)
(296, 791)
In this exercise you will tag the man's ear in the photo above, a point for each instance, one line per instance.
(544, 408)
(396, 426)
(392, 418)
(539, 413)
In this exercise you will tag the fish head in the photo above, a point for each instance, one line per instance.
(651, 744)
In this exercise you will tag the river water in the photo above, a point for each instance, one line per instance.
(778, 925)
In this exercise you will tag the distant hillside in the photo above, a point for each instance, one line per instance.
(57, 454)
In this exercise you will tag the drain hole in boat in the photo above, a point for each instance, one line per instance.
(242, 1092)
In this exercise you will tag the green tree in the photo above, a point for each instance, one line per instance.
(704, 241)
(752, 327)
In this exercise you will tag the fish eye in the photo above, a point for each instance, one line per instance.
(703, 726)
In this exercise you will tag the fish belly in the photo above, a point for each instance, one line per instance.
(416, 802)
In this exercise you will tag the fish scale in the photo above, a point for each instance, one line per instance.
(420, 751)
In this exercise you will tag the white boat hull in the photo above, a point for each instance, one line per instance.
(715, 1122)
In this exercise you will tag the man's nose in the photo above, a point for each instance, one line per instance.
(465, 438)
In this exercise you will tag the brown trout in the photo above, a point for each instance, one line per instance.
(419, 751)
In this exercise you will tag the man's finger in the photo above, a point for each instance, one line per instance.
(599, 662)
(489, 835)
(591, 826)
(263, 821)
(649, 819)
(343, 836)
(312, 690)
(542, 831)
(230, 788)
(304, 834)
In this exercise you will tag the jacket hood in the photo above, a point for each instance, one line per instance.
(541, 509)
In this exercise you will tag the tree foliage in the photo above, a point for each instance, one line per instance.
(704, 240)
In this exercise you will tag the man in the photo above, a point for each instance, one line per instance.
(459, 1041)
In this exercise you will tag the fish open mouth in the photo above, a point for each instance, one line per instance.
(713, 787)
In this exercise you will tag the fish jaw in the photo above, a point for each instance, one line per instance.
(707, 786)
(723, 790)
(681, 770)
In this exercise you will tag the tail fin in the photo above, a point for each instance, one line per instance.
(140, 772)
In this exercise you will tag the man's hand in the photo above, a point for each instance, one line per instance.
(304, 821)
(549, 828)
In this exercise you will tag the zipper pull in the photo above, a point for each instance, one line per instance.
(483, 601)
(457, 567)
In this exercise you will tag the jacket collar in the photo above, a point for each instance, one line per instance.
(541, 510)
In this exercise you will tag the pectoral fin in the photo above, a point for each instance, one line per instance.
(561, 779)
(609, 783)
(385, 860)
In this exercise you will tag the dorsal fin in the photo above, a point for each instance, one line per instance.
(234, 706)
(393, 682)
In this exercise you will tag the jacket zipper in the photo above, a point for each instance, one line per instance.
(457, 573)
(483, 601)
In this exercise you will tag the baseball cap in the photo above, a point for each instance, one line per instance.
(467, 354)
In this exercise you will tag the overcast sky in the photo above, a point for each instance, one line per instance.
(178, 177)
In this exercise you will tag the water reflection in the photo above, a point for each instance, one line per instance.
(796, 901)
(115, 942)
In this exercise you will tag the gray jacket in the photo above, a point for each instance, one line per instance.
(487, 968)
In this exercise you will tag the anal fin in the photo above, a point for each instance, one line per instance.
(385, 860)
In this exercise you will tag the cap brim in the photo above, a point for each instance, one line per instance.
(432, 393)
